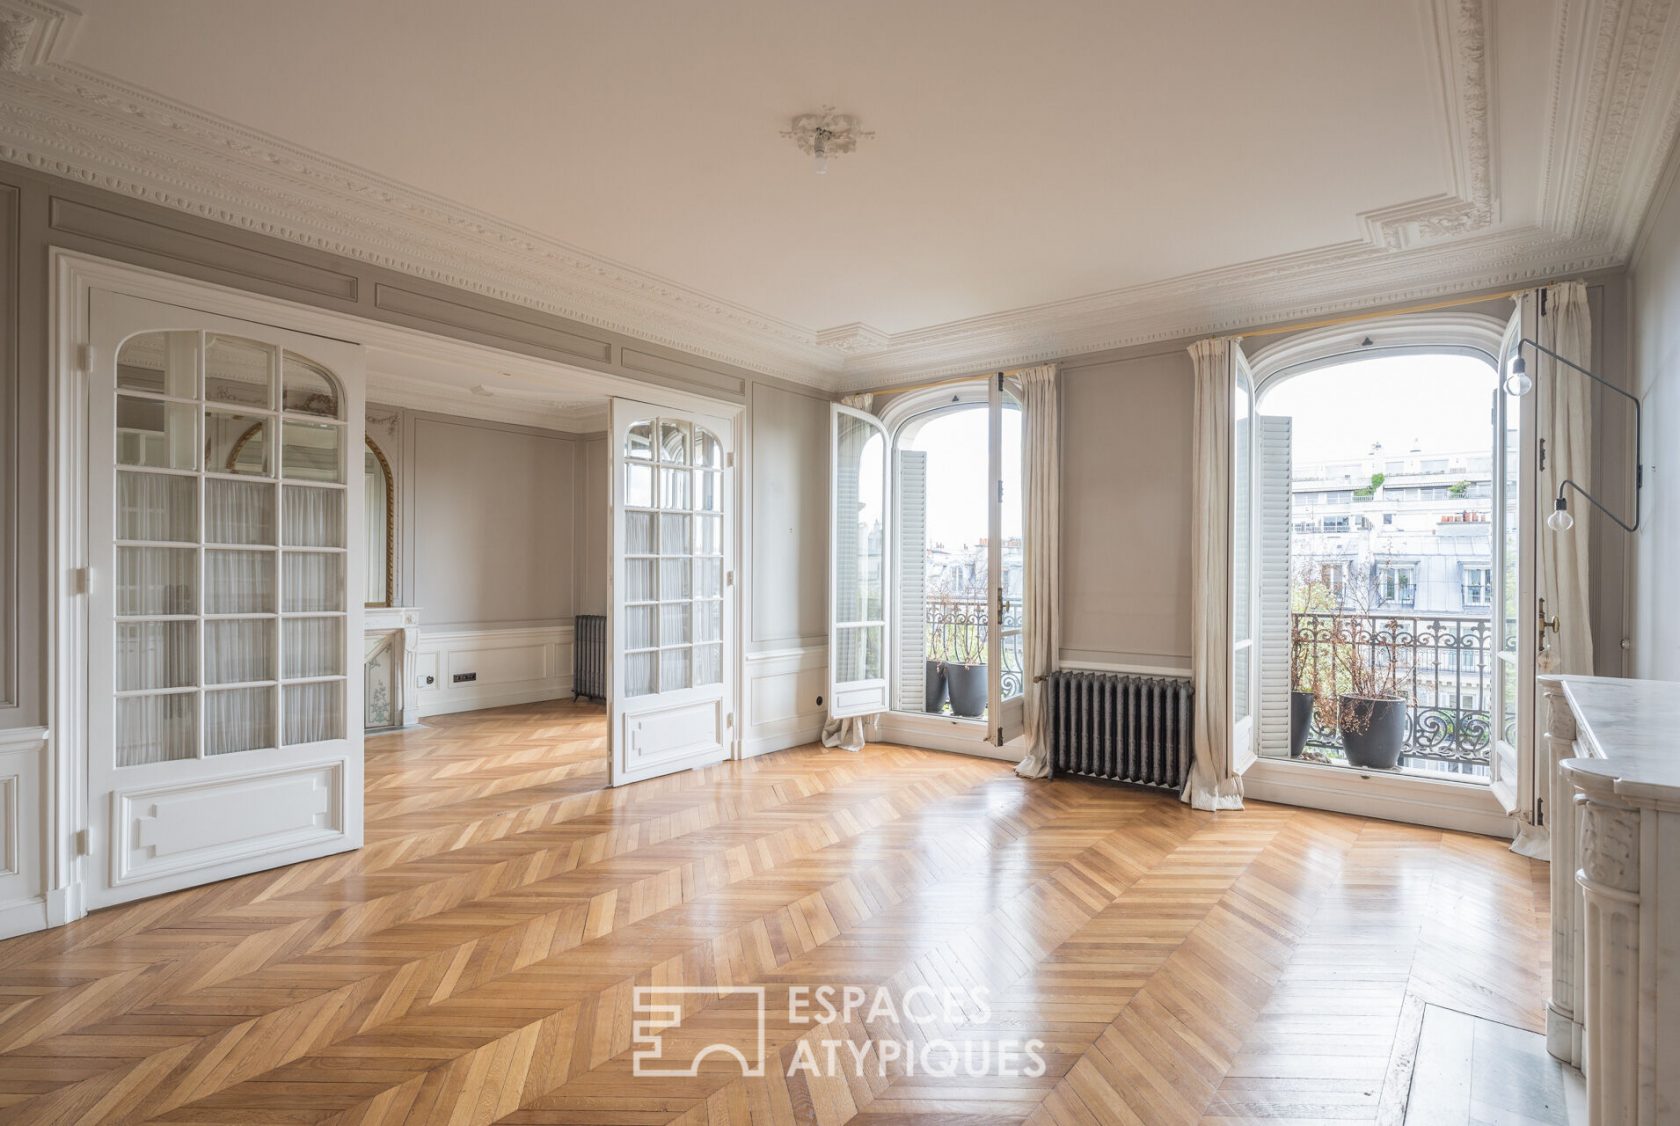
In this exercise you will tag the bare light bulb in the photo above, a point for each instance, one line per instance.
(820, 153)
(1560, 520)
(1518, 382)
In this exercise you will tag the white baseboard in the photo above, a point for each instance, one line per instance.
(962, 737)
(779, 698)
(1462, 806)
(765, 744)
(517, 664)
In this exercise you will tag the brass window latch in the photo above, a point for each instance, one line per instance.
(1544, 625)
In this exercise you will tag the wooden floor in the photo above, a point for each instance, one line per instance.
(476, 961)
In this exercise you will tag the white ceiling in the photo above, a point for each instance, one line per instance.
(1110, 160)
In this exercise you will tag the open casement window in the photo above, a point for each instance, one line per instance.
(671, 639)
(859, 534)
(1516, 779)
(1005, 655)
(225, 592)
(1245, 586)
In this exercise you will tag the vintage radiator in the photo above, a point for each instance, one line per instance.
(1120, 727)
(589, 657)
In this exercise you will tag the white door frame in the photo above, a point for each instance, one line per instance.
(73, 276)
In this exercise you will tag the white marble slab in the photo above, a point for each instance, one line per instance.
(1630, 730)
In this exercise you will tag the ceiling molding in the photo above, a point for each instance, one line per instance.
(1613, 116)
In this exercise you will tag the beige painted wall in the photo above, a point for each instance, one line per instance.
(592, 536)
(1656, 350)
(789, 518)
(1126, 510)
(493, 522)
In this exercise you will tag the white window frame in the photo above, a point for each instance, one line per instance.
(1403, 798)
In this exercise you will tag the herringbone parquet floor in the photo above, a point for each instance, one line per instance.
(476, 961)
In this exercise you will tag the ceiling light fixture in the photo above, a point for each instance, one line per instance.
(824, 134)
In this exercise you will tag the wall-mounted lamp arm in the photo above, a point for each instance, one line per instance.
(1592, 500)
(1638, 437)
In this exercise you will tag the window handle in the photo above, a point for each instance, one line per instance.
(1544, 625)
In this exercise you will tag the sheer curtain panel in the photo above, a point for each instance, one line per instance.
(1565, 412)
(1214, 782)
(1042, 457)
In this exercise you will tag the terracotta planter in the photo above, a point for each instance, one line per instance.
(968, 689)
(1373, 731)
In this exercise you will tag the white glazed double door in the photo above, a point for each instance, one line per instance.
(672, 621)
(224, 598)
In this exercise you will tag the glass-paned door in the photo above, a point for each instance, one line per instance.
(673, 586)
(223, 722)
(1245, 588)
(1513, 767)
(1006, 563)
(858, 538)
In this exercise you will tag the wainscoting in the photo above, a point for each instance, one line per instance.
(780, 698)
(519, 664)
(23, 804)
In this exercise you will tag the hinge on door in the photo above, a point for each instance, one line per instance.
(84, 357)
(1000, 492)
(729, 460)
(1542, 453)
(80, 580)
(729, 720)
(84, 846)
(729, 578)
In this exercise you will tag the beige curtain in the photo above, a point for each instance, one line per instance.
(1564, 416)
(1214, 782)
(1042, 455)
(853, 732)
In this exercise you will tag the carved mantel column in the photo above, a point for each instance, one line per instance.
(1609, 878)
(1563, 1007)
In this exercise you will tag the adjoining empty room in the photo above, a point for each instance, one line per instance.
(1094, 561)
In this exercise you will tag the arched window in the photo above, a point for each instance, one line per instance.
(1375, 541)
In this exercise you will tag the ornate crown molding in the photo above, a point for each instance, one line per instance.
(1614, 115)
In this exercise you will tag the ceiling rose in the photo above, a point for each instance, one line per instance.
(824, 134)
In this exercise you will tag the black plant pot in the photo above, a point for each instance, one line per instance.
(1300, 721)
(968, 689)
(934, 686)
(1373, 731)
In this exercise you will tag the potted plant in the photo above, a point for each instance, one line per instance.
(1301, 694)
(935, 687)
(1313, 601)
(1371, 711)
(964, 660)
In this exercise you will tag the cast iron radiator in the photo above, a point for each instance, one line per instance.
(589, 657)
(1120, 727)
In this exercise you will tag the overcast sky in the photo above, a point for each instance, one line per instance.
(1437, 403)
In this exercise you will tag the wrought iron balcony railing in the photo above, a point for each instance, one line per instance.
(957, 630)
(1441, 664)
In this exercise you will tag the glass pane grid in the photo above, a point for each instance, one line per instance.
(200, 565)
(673, 561)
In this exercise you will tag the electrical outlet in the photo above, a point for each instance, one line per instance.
(465, 677)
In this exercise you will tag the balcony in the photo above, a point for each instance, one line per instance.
(957, 629)
(1443, 666)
